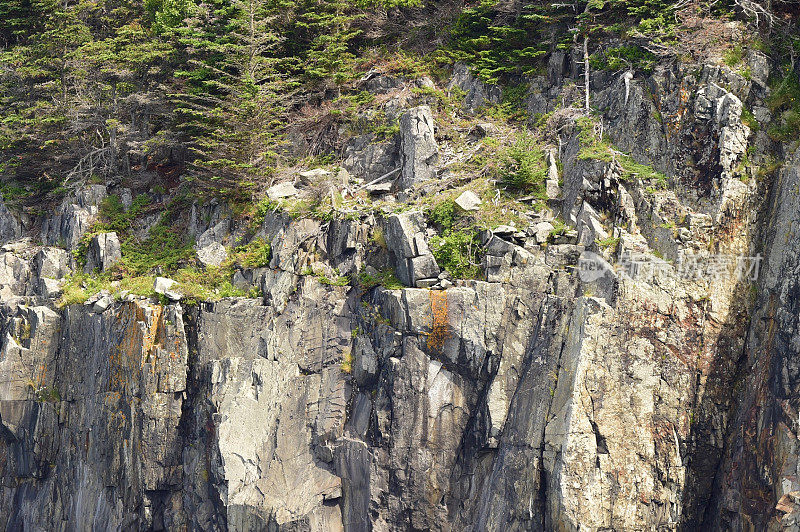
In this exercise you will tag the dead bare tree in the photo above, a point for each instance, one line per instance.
(99, 161)
(586, 73)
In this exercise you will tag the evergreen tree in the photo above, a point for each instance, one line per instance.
(228, 103)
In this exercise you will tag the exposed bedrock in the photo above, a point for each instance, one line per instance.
(536, 398)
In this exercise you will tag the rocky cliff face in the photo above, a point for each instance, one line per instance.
(545, 396)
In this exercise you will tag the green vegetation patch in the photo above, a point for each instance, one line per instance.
(733, 56)
(164, 252)
(459, 252)
(384, 278)
(598, 149)
(622, 58)
(523, 167)
(784, 102)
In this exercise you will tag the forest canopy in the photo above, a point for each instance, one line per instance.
(90, 89)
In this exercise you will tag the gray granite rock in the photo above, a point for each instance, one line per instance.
(103, 251)
(10, 227)
(468, 201)
(477, 93)
(418, 147)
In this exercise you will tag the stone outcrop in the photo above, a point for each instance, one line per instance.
(418, 147)
(10, 228)
(477, 93)
(73, 217)
(590, 380)
(413, 261)
(103, 251)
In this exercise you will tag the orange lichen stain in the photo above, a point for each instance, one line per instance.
(439, 320)
(150, 338)
(111, 398)
(39, 377)
(140, 334)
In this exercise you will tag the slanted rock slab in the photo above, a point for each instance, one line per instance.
(166, 286)
(104, 250)
(282, 190)
(468, 201)
(213, 254)
(419, 149)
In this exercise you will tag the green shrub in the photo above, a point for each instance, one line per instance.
(787, 126)
(559, 228)
(262, 208)
(254, 254)
(458, 252)
(523, 167)
(784, 102)
(385, 278)
(444, 214)
(733, 56)
(341, 280)
(749, 120)
(601, 150)
(113, 218)
(164, 249)
(609, 242)
(622, 58)
(513, 104)
(11, 192)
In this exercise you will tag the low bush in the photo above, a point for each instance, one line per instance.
(523, 167)
(458, 252)
(784, 102)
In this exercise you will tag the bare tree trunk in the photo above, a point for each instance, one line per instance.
(586, 72)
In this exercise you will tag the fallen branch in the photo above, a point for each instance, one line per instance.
(376, 180)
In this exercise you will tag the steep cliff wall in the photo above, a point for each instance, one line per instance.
(543, 396)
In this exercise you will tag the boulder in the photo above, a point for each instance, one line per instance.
(282, 190)
(126, 197)
(410, 254)
(759, 65)
(378, 82)
(425, 83)
(104, 250)
(400, 232)
(51, 262)
(166, 287)
(542, 231)
(421, 245)
(368, 159)
(418, 147)
(48, 288)
(212, 254)
(102, 304)
(468, 201)
(217, 233)
(310, 176)
(590, 220)
(423, 267)
(426, 283)
(483, 129)
(14, 275)
(504, 230)
(378, 189)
